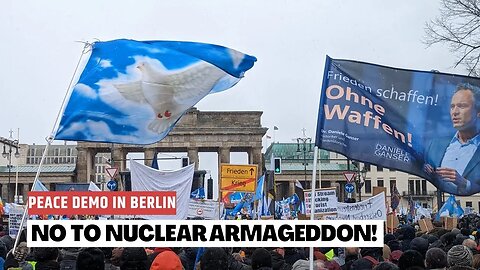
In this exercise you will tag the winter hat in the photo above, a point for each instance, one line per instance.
(388, 237)
(301, 265)
(167, 260)
(419, 244)
(455, 231)
(459, 255)
(8, 241)
(432, 238)
(361, 264)
(394, 245)
(133, 256)
(214, 258)
(261, 258)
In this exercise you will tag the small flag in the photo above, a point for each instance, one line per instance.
(450, 209)
(93, 187)
(134, 92)
(298, 184)
(39, 186)
(395, 198)
(155, 161)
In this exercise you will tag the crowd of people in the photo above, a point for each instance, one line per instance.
(405, 249)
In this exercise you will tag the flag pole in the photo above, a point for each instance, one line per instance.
(312, 198)
(15, 200)
(86, 48)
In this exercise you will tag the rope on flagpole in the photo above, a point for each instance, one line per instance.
(87, 47)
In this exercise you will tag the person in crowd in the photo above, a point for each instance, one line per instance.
(107, 252)
(471, 244)
(167, 260)
(411, 258)
(419, 244)
(373, 254)
(386, 252)
(151, 257)
(351, 254)
(261, 259)
(436, 258)
(133, 258)
(214, 258)
(188, 256)
(476, 261)
(90, 259)
(305, 265)
(405, 234)
(3, 254)
(386, 266)
(278, 262)
(67, 257)
(459, 256)
(16, 257)
(395, 256)
(116, 256)
(362, 264)
(292, 255)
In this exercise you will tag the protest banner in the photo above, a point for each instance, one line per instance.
(325, 201)
(369, 209)
(206, 209)
(396, 118)
(14, 219)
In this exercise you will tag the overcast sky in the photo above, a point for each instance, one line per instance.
(290, 39)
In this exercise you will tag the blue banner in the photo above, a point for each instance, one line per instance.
(419, 122)
(134, 92)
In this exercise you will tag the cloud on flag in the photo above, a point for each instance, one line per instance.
(136, 91)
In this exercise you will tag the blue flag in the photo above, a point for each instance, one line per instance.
(402, 119)
(199, 193)
(134, 92)
(155, 161)
(450, 209)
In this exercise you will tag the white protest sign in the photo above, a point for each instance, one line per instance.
(369, 209)
(14, 219)
(207, 209)
(325, 201)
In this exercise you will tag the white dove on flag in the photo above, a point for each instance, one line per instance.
(170, 93)
(134, 92)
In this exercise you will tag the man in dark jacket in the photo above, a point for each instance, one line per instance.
(278, 262)
(292, 255)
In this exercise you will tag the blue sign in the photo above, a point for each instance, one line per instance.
(112, 185)
(349, 188)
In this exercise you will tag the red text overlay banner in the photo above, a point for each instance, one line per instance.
(102, 203)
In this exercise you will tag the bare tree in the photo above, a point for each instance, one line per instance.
(459, 27)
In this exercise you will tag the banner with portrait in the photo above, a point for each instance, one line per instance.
(424, 123)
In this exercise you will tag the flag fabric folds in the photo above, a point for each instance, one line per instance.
(134, 92)
(399, 119)
(145, 178)
(39, 186)
(450, 209)
(93, 187)
(155, 161)
(199, 193)
(395, 198)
